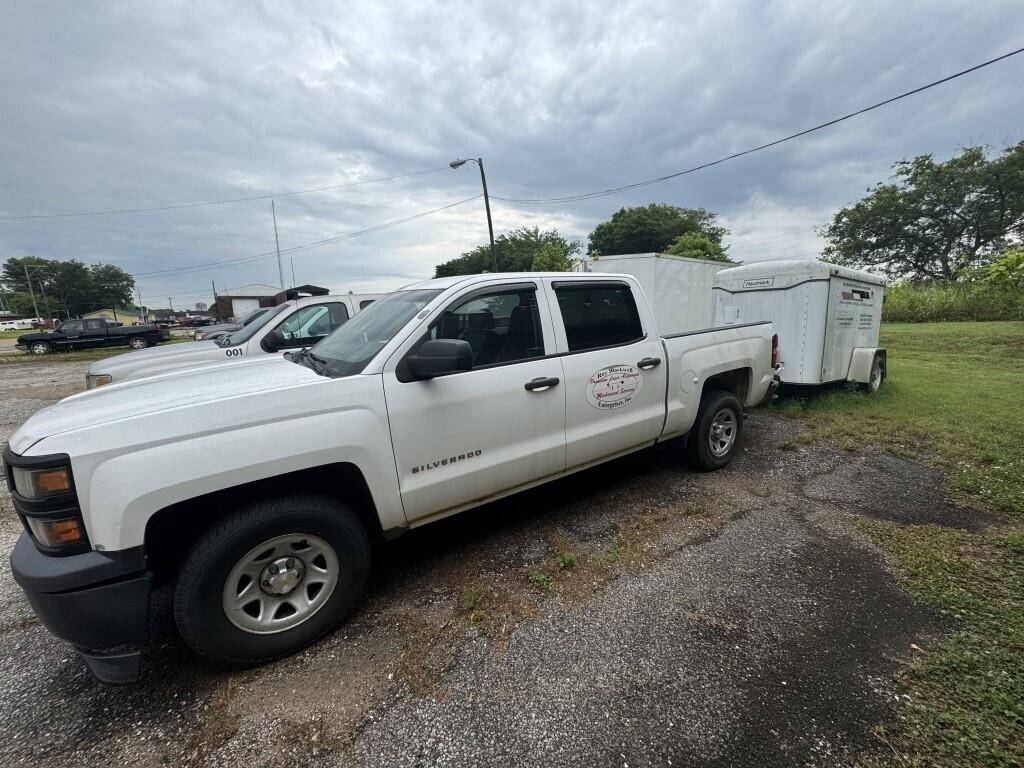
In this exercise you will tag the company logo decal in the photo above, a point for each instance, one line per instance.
(614, 386)
(445, 462)
(856, 295)
(760, 282)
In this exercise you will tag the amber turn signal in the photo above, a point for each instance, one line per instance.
(56, 533)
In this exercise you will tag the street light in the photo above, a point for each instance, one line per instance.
(487, 202)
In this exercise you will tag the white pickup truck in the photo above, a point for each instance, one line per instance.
(258, 487)
(297, 323)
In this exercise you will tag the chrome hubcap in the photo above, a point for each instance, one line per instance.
(280, 584)
(723, 432)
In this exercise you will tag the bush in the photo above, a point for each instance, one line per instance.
(938, 302)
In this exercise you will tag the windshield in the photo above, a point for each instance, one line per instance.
(254, 315)
(349, 349)
(246, 332)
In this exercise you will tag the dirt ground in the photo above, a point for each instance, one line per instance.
(636, 614)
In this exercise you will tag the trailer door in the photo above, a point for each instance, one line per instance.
(854, 318)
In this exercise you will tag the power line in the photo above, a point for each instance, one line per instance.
(305, 246)
(219, 202)
(702, 166)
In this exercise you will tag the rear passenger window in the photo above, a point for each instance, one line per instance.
(598, 315)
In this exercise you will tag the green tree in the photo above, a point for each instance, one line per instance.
(934, 220)
(515, 252)
(551, 258)
(651, 228)
(69, 288)
(1007, 271)
(696, 245)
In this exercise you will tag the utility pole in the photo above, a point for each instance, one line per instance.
(487, 202)
(280, 270)
(292, 260)
(142, 309)
(31, 292)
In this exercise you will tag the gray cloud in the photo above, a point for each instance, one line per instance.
(138, 105)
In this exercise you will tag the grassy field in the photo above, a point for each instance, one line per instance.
(954, 398)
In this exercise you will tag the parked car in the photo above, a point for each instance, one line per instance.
(258, 486)
(217, 330)
(298, 323)
(86, 334)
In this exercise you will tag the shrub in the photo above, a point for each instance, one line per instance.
(938, 302)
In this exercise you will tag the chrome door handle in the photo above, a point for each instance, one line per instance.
(539, 385)
(649, 362)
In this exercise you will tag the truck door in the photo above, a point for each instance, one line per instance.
(94, 333)
(462, 437)
(69, 334)
(612, 360)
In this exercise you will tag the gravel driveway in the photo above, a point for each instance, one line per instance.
(637, 614)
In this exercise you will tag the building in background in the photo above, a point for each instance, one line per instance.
(236, 302)
(125, 316)
(200, 306)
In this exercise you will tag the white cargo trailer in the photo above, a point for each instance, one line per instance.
(827, 317)
(678, 289)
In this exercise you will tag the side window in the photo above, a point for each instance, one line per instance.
(94, 325)
(501, 327)
(598, 315)
(365, 303)
(313, 322)
(71, 326)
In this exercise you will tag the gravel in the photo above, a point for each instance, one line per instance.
(724, 619)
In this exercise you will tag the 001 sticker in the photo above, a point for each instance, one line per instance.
(614, 386)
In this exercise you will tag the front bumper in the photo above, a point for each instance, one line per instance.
(22, 347)
(97, 601)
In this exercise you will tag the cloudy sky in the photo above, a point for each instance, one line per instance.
(139, 105)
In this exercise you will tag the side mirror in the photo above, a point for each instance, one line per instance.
(273, 341)
(441, 356)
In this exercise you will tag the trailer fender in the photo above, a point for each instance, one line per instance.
(861, 361)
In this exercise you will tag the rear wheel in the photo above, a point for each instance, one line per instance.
(715, 436)
(137, 342)
(40, 348)
(271, 578)
(876, 377)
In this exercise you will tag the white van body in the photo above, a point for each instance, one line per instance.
(679, 289)
(828, 317)
(21, 324)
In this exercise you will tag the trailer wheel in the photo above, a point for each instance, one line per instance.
(877, 376)
(715, 436)
(137, 342)
(271, 578)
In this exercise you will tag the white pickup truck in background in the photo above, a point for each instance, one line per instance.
(297, 323)
(258, 487)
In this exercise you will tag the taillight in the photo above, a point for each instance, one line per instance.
(775, 350)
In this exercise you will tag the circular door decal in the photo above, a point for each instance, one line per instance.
(613, 387)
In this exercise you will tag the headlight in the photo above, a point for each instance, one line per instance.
(93, 380)
(36, 483)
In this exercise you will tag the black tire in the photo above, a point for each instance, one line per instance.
(40, 348)
(876, 378)
(137, 342)
(699, 448)
(199, 610)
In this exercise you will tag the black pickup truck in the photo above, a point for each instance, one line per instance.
(84, 334)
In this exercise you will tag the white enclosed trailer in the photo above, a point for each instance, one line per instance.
(678, 289)
(828, 317)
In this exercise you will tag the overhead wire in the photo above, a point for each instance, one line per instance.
(776, 142)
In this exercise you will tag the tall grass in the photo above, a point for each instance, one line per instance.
(951, 302)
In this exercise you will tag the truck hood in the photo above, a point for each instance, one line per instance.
(156, 360)
(132, 399)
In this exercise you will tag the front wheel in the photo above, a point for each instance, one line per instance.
(40, 348)
(271, 578)
(137, 342)
(715, 436)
